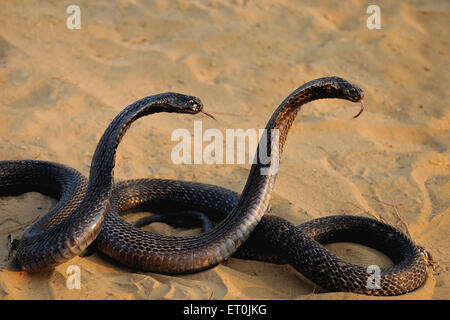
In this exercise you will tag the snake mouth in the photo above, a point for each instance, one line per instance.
(361, 110)
(208, 114)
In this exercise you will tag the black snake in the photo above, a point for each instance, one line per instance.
(89, 210)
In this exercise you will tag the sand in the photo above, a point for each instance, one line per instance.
(60, 88)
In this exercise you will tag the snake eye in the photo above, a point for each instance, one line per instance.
(352, 92)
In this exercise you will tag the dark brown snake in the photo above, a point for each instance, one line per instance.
(89, 210)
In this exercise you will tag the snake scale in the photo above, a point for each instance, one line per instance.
(88, 211)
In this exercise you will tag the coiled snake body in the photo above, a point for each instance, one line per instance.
(89, 210)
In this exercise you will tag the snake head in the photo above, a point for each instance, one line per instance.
(340, 88)
(181, 103)
(343, 89)
(353, 93)
(194, 105)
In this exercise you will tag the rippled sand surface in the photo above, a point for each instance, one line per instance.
(60, 88)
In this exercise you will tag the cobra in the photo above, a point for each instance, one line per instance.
(90, 210)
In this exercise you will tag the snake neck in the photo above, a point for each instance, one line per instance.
(257, 191)
(101, 176)
(278, 126)
(284, 116)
